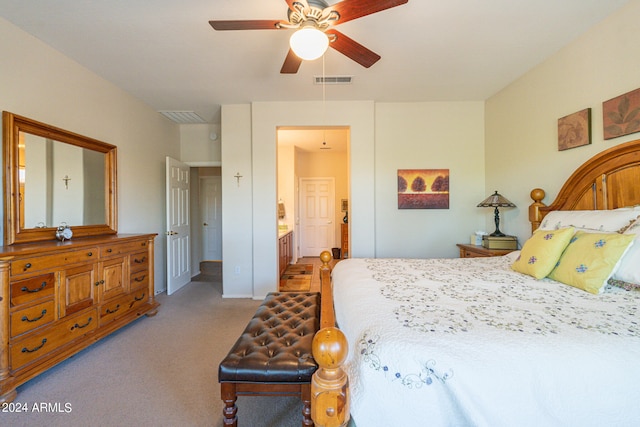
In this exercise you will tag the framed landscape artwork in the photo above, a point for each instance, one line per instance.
(574, 130)
(621, 115)
(423, 188)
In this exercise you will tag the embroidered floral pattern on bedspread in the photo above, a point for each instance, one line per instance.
(458, 295)
(417, 380)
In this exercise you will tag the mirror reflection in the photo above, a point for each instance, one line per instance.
(59, 183)
(53, 177)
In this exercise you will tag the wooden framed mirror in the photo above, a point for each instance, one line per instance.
(54, 177)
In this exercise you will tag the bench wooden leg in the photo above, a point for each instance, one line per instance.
(305, 396)
(229, 397)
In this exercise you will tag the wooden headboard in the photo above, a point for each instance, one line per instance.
(609, 180)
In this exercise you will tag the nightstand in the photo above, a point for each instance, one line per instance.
(472, 251)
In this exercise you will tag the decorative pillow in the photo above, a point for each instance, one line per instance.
(601, 221)
(541, 252)
(589, 260)
(629, 269)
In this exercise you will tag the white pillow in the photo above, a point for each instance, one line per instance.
(600, 221)
(629, 269)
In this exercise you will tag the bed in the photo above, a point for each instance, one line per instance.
(472, 342)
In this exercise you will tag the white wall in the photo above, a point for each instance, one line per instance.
(521, 120)
(431, 135)
(39, 82)
(237, 204)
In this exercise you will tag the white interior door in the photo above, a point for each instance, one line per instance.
(211, 214)
(178, 227)
(317, 225)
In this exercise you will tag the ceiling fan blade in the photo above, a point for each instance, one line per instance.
(352, 9)
(291, 2)
(291, 63)
(353, 49)
(246, 25)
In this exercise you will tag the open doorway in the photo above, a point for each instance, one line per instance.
(206, 213)
(306, 154)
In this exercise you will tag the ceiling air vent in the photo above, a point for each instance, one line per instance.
(182, 117)
(333, 80)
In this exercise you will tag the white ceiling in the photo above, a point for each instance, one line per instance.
(165, 52)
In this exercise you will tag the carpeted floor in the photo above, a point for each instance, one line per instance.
(158, 371)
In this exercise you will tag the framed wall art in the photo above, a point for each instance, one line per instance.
(621, 115)
(423, 188)
(574, 130)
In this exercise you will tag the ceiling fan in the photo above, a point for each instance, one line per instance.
(317, 14)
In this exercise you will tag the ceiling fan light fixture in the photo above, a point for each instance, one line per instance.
(309, 43)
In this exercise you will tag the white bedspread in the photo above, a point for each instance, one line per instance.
(469, 342)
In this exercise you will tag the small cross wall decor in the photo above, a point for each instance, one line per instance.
(237, 176)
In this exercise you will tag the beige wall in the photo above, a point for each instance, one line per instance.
(287, 186)
(38, 82)
(429, 135)
(521, 120)
(196, 146)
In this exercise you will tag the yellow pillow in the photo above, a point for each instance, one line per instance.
(541, 252)
(590, 259)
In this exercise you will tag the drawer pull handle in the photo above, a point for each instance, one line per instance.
(90, 254)
(140, 261)
(42, 286)
(26, 319)
(140, 279)
(27, 266)
(76, 326)
(109, 250)
(114, 310)
(26, 350)
(139, 299)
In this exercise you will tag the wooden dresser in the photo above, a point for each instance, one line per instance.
(57, 298)
(285, 251)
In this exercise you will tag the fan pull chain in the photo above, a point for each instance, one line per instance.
(324, 105)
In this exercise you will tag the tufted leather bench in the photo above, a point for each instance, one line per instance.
(273, 355)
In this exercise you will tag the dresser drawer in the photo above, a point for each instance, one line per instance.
(122, 248)
(139, 261)
(121, 306)
(137, 298)
(112, 310)
(469, 254)
(26, 266)
(33, 289)
(50, 338)
(28, 319)
(139, 279)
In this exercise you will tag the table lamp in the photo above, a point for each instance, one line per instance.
(496, 200)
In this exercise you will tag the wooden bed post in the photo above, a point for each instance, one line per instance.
(329, 384)
(535, 216)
